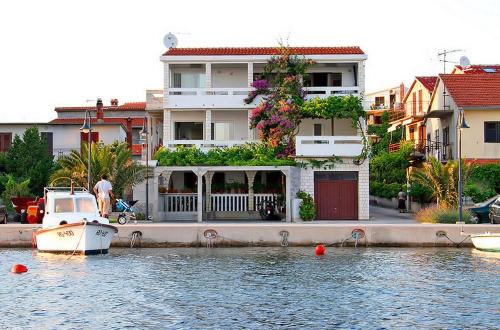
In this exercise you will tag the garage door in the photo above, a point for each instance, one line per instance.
(336, 195)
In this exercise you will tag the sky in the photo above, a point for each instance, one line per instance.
(69, 53)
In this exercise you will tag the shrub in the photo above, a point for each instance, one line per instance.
(479, 192)
(488, 174)
(307, 210)
(420, 193)
(385, 190)
(442, 215)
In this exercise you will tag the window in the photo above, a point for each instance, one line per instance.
(85, 205)
(63, 205)
(188, 80)
(222, 131)
(336, 79)
(5, 141)
(318, 129)
(414, 103)
(446, 136)
(412, 133)
(492, 131)
(436, 136)
(379, 101)
(420, 102)
(188, 130)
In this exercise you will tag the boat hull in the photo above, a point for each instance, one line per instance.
(78, 238)
(486, 242)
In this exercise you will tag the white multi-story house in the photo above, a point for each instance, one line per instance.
(202, 104)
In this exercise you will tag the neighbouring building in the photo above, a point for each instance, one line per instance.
(202, 105)
(415, 104)
(476, 93)
(130, 116)
(63, 137)
(385, 100)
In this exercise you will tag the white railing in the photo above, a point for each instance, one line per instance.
(204, 144)
(259, 198)
(233, 97)
(208, 98)
(326, 146)
(321, 92)
(179, 202)
(229, 202)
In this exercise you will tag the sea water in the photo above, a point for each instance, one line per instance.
(253, 288)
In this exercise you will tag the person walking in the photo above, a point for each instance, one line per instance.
(402, 201)
(104, 192)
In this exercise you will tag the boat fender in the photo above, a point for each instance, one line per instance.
(320, 250)
(64, 222)
(18, 269)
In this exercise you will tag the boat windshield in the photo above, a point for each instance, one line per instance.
(70, 205)
(85, 205)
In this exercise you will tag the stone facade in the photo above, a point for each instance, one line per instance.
(307, 183)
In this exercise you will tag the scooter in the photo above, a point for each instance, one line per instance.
(268, 210)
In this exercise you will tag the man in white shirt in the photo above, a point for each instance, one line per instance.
(104, 191)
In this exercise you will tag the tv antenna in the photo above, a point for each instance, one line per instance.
(170, 40)
(444, 53)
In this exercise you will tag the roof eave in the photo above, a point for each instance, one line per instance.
(256, 58)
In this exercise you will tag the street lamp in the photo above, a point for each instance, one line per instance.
(87, 128)
(463, 125)
(144, 137)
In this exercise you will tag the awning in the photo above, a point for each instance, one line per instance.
(439, 114)
(393, 127)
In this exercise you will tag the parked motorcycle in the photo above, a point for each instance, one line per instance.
(268, 210)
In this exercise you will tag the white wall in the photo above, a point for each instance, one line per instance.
(238, 118)
(227, 75)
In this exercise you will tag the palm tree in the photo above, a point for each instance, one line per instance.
(442, 180)
(115, 160)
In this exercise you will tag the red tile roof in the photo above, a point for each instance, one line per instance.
(136, 122)
(429, 82)
(473, 90)
(263, 51)
(479, 68)
(130, 106)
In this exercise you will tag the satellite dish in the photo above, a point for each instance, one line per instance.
(170, 41)
(464, 62)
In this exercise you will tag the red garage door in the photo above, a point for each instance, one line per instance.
(336, 195)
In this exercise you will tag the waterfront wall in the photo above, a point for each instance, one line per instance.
(270, 234)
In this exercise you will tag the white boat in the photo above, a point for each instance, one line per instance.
(486, 242)
(72, 223)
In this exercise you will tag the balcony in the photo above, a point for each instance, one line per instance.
(326, 146)
(227, 98)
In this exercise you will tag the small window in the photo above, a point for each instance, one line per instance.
(379, 101)
(318, 129)
(63, 205)
(446, 136)
(492, 131)
(85, 205)
(5, 141)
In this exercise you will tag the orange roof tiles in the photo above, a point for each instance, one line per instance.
(473, 90)
(429, 82)
(351, 50)
(129, 106)
(479, 68)
(136, 122)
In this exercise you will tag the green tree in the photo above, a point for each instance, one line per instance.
(384, 138)
(28, 158)
(442, 180)
(14, 188)
(115, 160)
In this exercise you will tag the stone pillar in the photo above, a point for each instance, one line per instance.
(250, 131)
(208, 190)
(250, 177)
(167, 126)
(166, 83)
(155, 198)
(250, 74)
(199, 173)
(288, 197)
(208, 125)
(208, 75)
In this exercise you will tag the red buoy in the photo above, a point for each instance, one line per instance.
(320, 250)
(18, 269)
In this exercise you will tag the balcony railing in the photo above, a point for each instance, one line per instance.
(234, 97)
(326, 146)
(204, 144)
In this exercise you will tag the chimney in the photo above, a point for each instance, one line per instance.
(114, 102)
(100, 111)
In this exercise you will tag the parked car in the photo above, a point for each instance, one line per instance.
(481, 211)
(495, 211)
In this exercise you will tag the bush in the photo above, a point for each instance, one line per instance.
(385, 190)
(420, 193)
(479, 192)
(307, 210)
(442, 215)
(488, 174)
